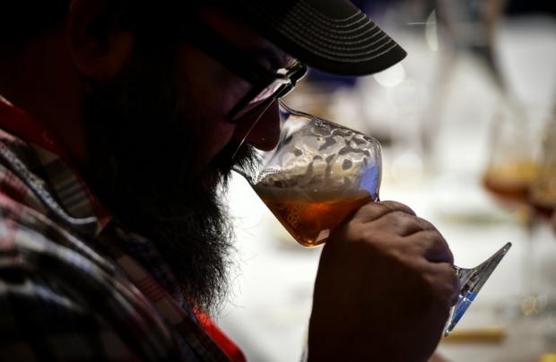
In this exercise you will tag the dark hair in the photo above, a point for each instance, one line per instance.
(21, 20)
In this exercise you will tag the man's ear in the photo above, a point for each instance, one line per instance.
(99, 48)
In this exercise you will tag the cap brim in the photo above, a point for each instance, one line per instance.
(331, 35)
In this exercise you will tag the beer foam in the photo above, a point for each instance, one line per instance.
(320, 180)
(320, 161)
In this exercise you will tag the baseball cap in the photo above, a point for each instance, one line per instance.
(331, 35)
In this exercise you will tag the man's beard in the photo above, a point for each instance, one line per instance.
(140, 157)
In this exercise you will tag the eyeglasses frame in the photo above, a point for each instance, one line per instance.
(212, 44)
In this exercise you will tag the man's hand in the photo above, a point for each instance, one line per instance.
(384, 288)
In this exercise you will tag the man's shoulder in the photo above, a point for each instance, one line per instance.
(50, 285)
(63, 296)
(40, 320)
(44, 306)
(61, 300)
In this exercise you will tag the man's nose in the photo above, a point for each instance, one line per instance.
(265, 127)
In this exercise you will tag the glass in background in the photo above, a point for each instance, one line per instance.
(511, 170)
(542, 195)
(513, 149)
(512, 164)
(541, 199)
(412, 97)
(395, 102)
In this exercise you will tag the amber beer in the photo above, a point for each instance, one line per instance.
(310, 217)
(510, 182)
(544, 207)
(543, 197)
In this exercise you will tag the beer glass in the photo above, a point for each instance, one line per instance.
(320, 173)
(542, 192)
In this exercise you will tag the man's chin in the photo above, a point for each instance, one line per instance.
(211, 181)
(220, 170)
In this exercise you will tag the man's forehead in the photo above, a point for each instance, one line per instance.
(245, 38)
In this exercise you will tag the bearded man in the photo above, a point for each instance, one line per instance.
(119, 126)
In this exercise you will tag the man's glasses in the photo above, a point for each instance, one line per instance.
(267, 85)
(285, 80)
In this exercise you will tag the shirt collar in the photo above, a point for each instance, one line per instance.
(71, 192)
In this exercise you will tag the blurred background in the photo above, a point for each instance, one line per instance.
(468, 127)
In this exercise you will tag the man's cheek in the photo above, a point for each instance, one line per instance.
(213, 138)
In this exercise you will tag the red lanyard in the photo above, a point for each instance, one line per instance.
(21, 124)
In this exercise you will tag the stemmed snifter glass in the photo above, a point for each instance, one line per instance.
(319, 172)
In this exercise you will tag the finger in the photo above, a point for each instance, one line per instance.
(424, 224)
(397, 206)
(452, 283)
(435, 248)
(445, 280)
(403, 224)
(375, 210)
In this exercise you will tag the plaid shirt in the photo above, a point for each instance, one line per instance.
(74, 285)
